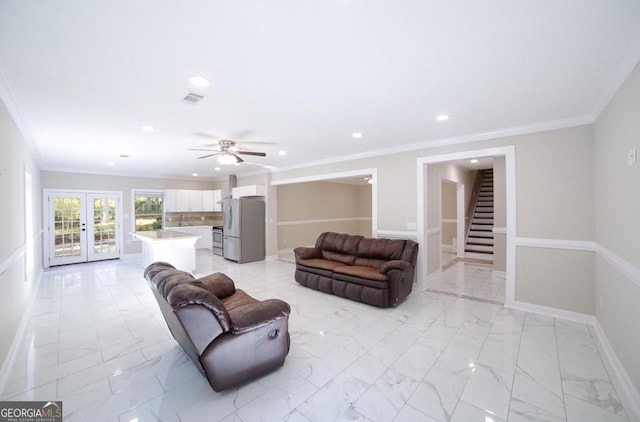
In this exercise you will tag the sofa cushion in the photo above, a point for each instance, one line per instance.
(382, 249)
(323, 264)
(362, 272)
(341, 243)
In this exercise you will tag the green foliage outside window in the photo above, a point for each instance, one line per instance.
(148, 209)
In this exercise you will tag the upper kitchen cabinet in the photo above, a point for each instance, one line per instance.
(212, 200)
(251, 190)
(183, 200)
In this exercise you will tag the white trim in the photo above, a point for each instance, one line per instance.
(574, 245)
(499, 230)
(622, 265)
(12, 259)
(433, 231)
(458, 140)
(511, 209)
(326, 176)
(624, 385)
(397, 234)
(10, 359)
(373, 172)
(324, 220)
(553, 312)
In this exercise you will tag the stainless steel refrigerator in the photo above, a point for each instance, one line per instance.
(244, 229)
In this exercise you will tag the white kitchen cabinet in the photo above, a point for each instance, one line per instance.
(207, 200)
(206, 239)
(182, 201)
(251, 190)
(217, 197)
(169, 200)
(196, 200)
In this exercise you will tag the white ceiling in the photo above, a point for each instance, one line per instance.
(82, 77)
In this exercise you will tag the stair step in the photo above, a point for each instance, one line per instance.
(477, 233)
(479, 214)
(488, 221)
(479, 248)
(483, 256)
(482, 227)
(484, 209)
(480, 241)
(484, 201)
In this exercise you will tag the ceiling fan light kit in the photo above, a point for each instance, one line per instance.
(228, 152)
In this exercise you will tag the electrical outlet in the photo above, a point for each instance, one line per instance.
(632, 156)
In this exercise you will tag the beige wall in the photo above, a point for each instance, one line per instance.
(554, 198)
(305, 210)
(124, 184)
(499, 213)
(617, 225)
(16, 287)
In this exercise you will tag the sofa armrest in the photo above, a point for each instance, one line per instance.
(396, 264)
(258, 314)
(303, 252)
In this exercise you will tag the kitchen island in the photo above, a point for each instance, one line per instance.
(175, 247)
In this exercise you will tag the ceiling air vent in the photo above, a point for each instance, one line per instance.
(192, 98)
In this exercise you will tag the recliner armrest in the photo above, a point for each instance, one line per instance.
(303, 252)
(258, 314)
(396, 264)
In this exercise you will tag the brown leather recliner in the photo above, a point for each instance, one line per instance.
(230, 336)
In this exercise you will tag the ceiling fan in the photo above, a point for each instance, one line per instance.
(229, 152)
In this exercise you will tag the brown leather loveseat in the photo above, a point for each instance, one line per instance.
(379, 272)
(230, 336)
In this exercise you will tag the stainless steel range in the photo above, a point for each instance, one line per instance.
(218, 240)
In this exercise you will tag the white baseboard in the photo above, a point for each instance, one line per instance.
(131, 256)
(554, 312)
(627, 391)
(7, 365)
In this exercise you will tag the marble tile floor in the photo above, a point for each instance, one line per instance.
(470, 279)
(97, 341)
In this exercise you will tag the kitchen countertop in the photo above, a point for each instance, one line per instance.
(187, 227)
(164, 235)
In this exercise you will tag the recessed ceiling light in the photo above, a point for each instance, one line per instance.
(124, 155)
(356, 135)
(147, 128)
(194, 174)
(199, 81)
(111, 163)
(282, 152)
(474, 161)
(442, 117)
(217, 169)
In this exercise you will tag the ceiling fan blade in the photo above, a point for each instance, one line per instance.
(258, 142)
(243, 134)
(208, 135)
(240, 160)
(202, 149)
(258, 154)
(207, 156)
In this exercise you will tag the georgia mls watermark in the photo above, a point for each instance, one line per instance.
(30, 411)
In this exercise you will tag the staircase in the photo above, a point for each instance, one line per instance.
(480, 237)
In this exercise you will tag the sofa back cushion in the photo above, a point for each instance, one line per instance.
(375, 252)
(338, 247)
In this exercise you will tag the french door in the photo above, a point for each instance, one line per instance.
(82, 226)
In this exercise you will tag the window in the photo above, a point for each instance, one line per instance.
(147, 210)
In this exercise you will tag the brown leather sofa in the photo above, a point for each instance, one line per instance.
(230, 336)
(379, 272)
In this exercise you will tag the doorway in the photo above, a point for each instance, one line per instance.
(428, 228)
(81, 226)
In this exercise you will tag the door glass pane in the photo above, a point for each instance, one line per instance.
(104, 226)
(66, 227)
